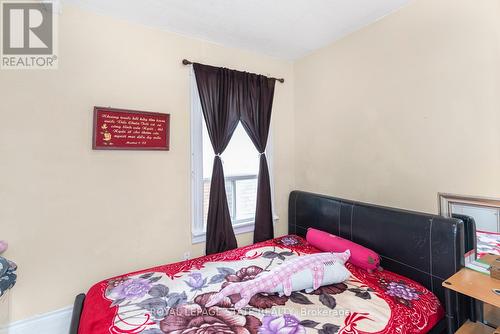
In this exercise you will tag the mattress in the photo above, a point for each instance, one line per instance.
(171, 299)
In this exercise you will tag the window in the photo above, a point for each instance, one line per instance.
(241, 168)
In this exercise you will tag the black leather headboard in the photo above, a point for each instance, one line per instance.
(470, 231)
(424, 247)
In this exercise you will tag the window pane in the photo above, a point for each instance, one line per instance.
(246, 191)
(206, 194)
(230, 198)
(239, 158)
(206, 198)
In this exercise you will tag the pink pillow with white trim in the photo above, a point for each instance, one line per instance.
(360, 256)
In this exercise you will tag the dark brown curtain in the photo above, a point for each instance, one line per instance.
(217, 89)
(255, 97)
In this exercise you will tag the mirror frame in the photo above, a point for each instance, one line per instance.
(445, 201)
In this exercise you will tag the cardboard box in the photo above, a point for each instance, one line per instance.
(495, 271)
(494, 263)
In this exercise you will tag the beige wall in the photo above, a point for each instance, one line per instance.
(74, 216)
(391, 114)
(405, 108)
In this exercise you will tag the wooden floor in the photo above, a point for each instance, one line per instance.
(475, 328)
(492, 315)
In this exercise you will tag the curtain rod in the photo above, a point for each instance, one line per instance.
(187, 62)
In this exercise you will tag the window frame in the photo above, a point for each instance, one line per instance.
(198, 234)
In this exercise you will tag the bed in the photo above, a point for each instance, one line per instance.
(418, 252)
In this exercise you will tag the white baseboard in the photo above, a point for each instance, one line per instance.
(56, 322)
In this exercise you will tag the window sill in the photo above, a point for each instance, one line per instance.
(200, 237)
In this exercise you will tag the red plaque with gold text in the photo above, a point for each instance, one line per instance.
(120, 129)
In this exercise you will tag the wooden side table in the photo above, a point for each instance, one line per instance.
(477, 286)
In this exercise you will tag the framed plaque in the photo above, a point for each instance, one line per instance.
(121, 129)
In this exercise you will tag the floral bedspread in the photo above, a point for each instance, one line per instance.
(171, 299)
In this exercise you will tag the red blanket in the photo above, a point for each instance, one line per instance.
(171, 299)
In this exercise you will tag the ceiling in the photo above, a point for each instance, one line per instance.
(287, 29)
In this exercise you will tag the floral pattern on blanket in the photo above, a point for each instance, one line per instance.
(158, 303)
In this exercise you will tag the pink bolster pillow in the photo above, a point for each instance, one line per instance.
(360, 256)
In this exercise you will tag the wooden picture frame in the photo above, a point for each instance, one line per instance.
(124, 129)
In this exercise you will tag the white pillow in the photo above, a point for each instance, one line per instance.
(334, 273)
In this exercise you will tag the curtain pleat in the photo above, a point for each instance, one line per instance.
(256, 93)
(220, 234)
(216, 87)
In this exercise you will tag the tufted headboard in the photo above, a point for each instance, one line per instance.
(424, 247)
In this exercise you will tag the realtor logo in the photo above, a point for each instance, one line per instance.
(28, 35)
